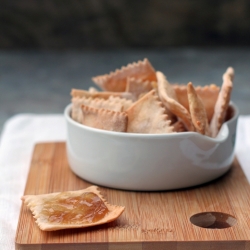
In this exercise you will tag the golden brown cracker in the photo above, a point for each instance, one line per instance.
(147, 115)
(117, 101)
(138, 87)
(197, 111)
(116, 81)
(106, 104)
(110, 104)
(76, 111)
(168, 97)
(50, 210)
(208, 94)
(104, 119)
(104, 95)
(222, 103)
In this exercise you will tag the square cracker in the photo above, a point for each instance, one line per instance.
(38, 204)
(116, 81)
(110, 104)
(147, 115)
(138, 87)
(104, 119)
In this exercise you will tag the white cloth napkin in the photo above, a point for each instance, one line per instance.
(19, 136)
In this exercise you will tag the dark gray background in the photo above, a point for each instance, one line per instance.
(48, 47)
(92, 24)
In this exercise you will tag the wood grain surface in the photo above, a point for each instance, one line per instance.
(151, 220)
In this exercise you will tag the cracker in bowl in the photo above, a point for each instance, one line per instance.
(168, 97)
(117, 81)
(197, 111)
(171, 108)
(104, 119)
(222, 103)
(148, 115)
(208, 94)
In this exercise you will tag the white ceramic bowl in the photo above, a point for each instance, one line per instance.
(149, 162)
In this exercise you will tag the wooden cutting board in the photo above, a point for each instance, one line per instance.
(151, 220)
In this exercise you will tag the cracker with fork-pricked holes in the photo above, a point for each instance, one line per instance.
(71, 209)
(116, 81)
(148, 115)
(222, 103)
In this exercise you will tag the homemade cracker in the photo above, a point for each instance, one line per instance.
(138, 87)
(124, 103)
(109, 104)
(197, 111)
(133, 88)
(104, 119)
(168, 97)
(147, 115)
(63, 210)
(222, 103)
(208, 94)
(117, 81)
(96, 94)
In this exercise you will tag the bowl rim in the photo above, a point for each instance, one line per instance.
(219, 138)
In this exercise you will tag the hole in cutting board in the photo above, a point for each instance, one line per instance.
(213, 220)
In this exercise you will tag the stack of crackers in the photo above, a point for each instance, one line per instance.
(139, 99)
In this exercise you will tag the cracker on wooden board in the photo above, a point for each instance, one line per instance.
(222, 103)
(197, 111)
(104, 119)
(168, 97)
(52, 211)
(208, 95)
(116, 81)
(147, 115)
